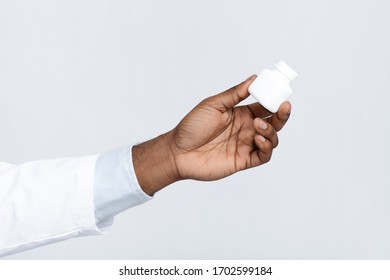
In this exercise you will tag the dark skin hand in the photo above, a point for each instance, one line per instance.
(214, 140)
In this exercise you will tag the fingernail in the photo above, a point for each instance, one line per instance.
(250, 78)
(262, 139)
(263, 124)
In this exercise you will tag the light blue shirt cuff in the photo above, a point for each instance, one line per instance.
(116, 187)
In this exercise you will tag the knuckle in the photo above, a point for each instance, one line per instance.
(267, 157)
(233, 89)
(206, 101)
(268, 147)
(273, 136)
(275, 142)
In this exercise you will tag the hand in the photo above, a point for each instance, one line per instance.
(216, 139)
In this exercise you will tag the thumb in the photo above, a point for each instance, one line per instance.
(231, 97)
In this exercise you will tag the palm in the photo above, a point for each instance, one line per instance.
(215, 144)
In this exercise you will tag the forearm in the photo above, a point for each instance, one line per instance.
(154, 163)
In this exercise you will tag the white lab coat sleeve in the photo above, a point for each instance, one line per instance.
(116, 186)
(46, 201)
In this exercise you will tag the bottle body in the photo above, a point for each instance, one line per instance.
(272, 87)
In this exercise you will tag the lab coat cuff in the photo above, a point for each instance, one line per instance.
(116, 186)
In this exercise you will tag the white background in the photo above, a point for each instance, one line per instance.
(82, 77)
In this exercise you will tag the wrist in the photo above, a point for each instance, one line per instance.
(154, 163)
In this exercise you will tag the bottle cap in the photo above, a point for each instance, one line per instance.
(286, 70)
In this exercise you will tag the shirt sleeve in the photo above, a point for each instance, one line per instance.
(116, 186)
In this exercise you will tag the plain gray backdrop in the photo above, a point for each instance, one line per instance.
(82, 77)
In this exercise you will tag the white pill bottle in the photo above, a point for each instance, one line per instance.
(272, 87)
